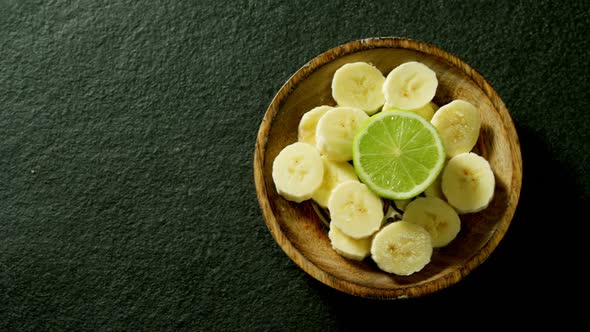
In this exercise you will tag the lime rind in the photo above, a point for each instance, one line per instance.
(418, 150)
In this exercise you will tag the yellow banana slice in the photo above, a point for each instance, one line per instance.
(410, 85)
(359, 85)
(335, 132)
(426, 111)
(309, 122)
(401, 248)
(335, 172)
(434, 190)
(297, 171)
(355, 209)
(356, 249)
(468, 182)
(437, 217)
(458, 124)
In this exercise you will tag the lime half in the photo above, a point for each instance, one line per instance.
(398, 154)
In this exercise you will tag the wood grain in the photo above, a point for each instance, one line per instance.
(297, 228)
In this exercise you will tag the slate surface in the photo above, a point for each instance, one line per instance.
(127, 131)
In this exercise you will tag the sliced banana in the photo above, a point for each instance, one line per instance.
(355, 209)
(468, 182)
(335, 172)
(434, 190)
(426, 111)
(358, 85)
(335, 132)
(410, 85)
(458, 124)
(437, 217)
(356, 249)
(435, 107)
(298, 171)
(309, 122)
(401, 203)
(401, 248)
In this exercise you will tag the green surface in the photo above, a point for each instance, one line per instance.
(127, 131)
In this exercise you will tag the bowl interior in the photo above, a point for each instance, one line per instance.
(297, 228)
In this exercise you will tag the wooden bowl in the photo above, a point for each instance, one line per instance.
(297, 227)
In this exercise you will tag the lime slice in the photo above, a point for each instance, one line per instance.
(398, 154)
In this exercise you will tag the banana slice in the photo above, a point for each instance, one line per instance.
(426, 111)
(298, 171)
(468, 182)
(335, 132)
(309, 123)
(410, 85)
(435, 107)
(401, 203)
(355, 209)
(437, 217)
(335, 172)
(402, 248)
(358, 85)
(356, 249)
(434, 190)
(458, 124)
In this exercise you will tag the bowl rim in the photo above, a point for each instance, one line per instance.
(405, 291)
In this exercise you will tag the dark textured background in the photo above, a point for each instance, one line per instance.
(127, 131)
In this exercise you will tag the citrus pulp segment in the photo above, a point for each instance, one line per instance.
(398, 154)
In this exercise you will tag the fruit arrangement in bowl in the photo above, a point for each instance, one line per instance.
(404, 152)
